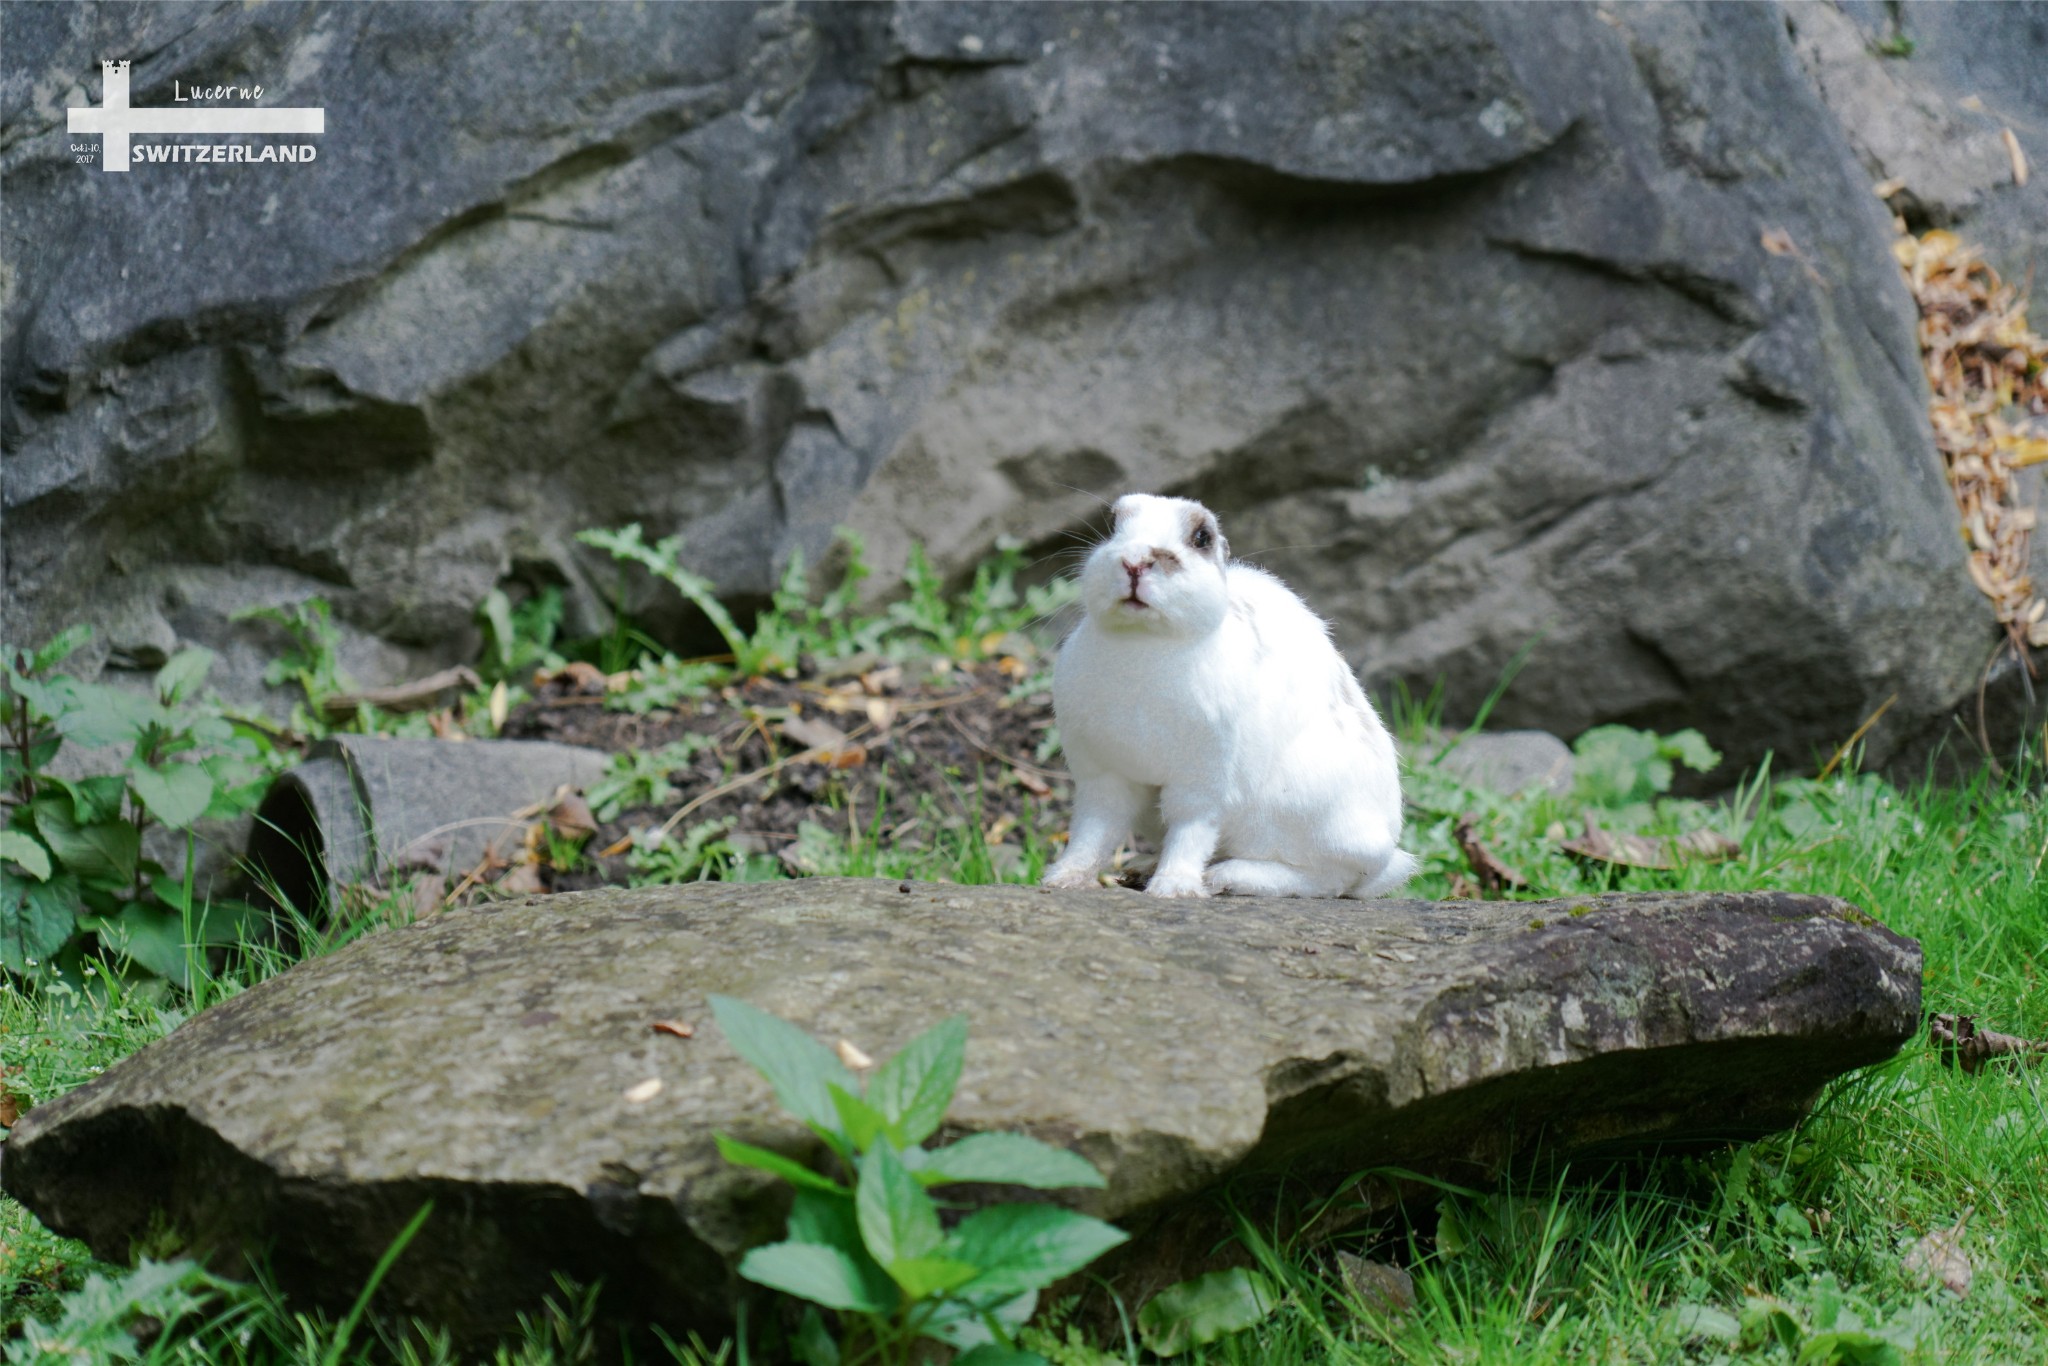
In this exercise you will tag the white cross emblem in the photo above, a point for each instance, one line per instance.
(114, 121)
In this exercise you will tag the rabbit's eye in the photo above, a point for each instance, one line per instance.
(1200, 540)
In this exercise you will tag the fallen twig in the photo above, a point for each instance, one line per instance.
(1042, 787)
(419, 695)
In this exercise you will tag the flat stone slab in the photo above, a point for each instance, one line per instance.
(482, 1059)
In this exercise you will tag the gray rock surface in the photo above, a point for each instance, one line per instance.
(1458, 314)
(481, 1059)
(1509, 761)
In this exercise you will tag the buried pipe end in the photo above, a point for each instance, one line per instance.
(360, 805)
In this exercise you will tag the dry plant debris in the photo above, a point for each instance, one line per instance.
(1650, 851)
(1493, 876)
(1989, 376)
(1939, 1257)
(1379, 1286)
(1958, 1041)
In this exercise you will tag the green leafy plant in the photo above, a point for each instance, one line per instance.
(1196, 1313)
(640, 777)
(868, 1240)
(75, 876)
(992, 609)
(759, 653)
(657, 858)
(518, 639)
(100, 1319)
(313, 661)
(1619, 766)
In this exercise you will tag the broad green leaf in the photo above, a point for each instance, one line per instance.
(60, 649)
(813, 1344)
(962, 1319)
(224, 921)
(496, 610)
(913, 1088)
(859, 1121)
(795, 1064)
(49, 699)
(762, 1159)
(22, 847)
(1692, 1320)
(819, 1217)
(923, 1276)
(823, 1275)
(995, 1354)
(898, 1221)
(150, 937)
(94, 800)
(1197, 1312)
(105, 851)
(1690, 748)
(176, 794)
(1848, 1347)
(1028, 1247)
(101, 716)
(1007, 1159)
(183, 672)
(36, 920)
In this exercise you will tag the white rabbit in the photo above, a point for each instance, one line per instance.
(1204, 700)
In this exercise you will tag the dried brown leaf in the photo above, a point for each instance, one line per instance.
(1642, 851)
(571, 818)
(678, 1028)
(1492, 874)
(522, 880)
(1958, 1041)
(830, 742)
(1939, 1257)
(573, 677)
(1379, 1287)
(1032, 783)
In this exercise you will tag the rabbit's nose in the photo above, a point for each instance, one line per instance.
(1136, 568)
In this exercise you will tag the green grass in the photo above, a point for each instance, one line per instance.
(1795, 1244)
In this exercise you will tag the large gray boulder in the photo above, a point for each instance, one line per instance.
(1460, 315)
(483, 1059)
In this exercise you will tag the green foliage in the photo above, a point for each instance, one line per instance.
(313, 662)
(1198, 1312)
(1618, 766)
(751, 655)
(98, 1321)
(982, 622)
(73, 878)
(640, 778)
(657, 859)
(869, 1243)
(519, 639)
(993, 607)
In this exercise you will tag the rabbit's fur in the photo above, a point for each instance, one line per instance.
(1202, 701)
